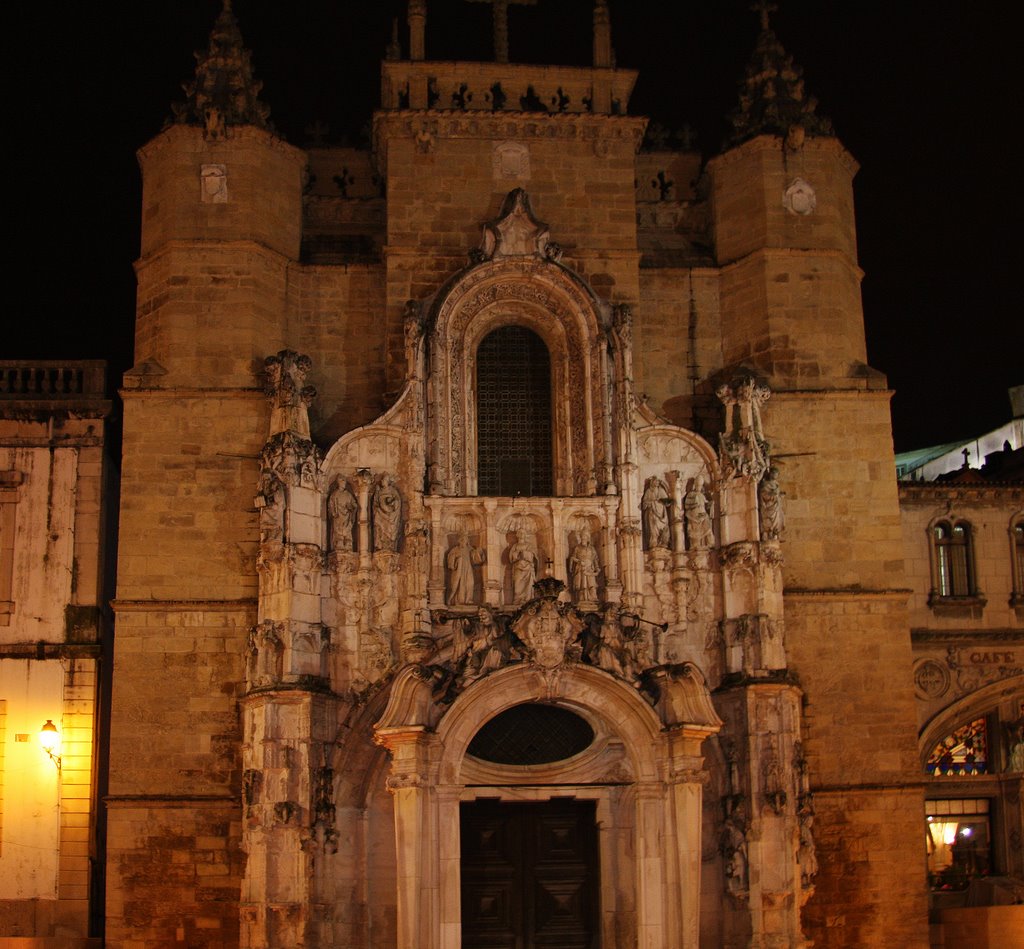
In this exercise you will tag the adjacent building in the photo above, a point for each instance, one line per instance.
(55, 483)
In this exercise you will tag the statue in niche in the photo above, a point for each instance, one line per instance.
(770, 504)
(522, 559)
(270, 503)
(387, 514)
(734, 847)
(342, 510)
(1015, 745)
(584, 567)
(462, 561)
(654, 509)
(806, 853)
(698, 516)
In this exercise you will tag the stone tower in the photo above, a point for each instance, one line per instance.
(512, 556)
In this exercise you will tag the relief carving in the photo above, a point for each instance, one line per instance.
(743, 449)
(769, 499)
(549, 630)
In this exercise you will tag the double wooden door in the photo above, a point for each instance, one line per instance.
(530, 875)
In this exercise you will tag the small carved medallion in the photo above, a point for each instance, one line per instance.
(214, 184)
(931, 679)
(799, 198)
(511, 160)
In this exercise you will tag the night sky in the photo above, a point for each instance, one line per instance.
(926, 96)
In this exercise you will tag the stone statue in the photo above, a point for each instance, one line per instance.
(1015, 745)
(806, 852)
(654, 508)
(611, 651)
(522, 559)
(734, 849)
(270, 503)
(770, 503)
(387, 514)
(342, 510)
(698, 517)
(584, 567)
(489, 647)
(461, 561)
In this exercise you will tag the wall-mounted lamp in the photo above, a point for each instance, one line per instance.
(49, 738)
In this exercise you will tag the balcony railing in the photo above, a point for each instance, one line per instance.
(52, 379)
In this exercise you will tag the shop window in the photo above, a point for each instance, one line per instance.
(958, 839)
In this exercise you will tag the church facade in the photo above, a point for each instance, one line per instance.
(510, 552)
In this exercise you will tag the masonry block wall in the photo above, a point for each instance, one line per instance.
(761, 277)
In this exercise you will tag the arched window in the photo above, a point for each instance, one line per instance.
(954, 569)
(513, 413)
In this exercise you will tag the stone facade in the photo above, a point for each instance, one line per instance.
(53, 489)
(321, 603)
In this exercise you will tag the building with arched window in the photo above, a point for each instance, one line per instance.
(509, 549)
(962, 534)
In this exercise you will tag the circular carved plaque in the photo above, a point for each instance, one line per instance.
(931, 679)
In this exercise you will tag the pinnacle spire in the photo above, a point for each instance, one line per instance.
(223, 92)
(772, 97)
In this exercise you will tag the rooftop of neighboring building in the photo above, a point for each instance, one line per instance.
(997, 455)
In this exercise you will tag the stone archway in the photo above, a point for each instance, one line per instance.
(645, 776)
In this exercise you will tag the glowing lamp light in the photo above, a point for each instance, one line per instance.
(49, 738)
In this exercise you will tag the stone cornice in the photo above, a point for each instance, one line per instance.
(171, 800)
(42, 650)
(774, 143)
(186, 392)
(191, 137)
(183, 606)
(970, 636)
(208, 245)
(813, 395)
(818, 253)
(802, 593)
(597, 129)
(932, 491)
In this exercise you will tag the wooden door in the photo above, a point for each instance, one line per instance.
(529, 875)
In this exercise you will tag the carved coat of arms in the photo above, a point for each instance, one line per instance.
(550, 633)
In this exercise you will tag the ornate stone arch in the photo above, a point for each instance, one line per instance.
(560, 308)
(656, 879)
(965, 709)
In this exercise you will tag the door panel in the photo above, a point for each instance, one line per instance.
(529, 875)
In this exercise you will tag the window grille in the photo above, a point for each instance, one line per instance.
(531, 734)
(513, 410)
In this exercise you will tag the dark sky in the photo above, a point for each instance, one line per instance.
(925, 95)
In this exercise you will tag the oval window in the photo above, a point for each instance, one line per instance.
(531, 734)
